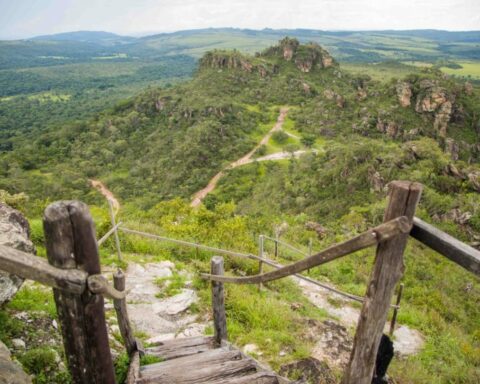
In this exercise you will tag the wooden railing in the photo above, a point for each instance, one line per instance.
(73, 271)
(390, 239)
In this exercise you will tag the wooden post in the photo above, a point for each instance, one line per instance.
(388, 269)
(218, 302)
(395, 310)
(260, 254)
(122, 314)
(71, 244)
(115, 232)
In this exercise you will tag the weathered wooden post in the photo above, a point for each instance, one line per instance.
(71, 244)
(388, 269)
(218, 302)
(115, 232)
(122, 314)
(260, 254)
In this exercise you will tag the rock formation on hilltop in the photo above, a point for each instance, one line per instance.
(305, 56)
(219, 59)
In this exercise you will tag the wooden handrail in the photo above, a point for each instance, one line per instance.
(72, 280)
(109, 233)
(448, 246)
(371, 237)
(35, 268)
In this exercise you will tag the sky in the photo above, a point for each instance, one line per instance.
(27, 18)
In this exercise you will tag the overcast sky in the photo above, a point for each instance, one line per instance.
(26, 18)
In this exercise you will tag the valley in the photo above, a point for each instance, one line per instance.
(296, 141)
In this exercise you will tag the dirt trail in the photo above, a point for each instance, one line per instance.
(97, 184)
(200, 195)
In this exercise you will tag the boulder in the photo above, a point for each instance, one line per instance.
(15, 233)
(11, 373)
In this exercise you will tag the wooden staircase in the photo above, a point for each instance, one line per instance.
(198, 360)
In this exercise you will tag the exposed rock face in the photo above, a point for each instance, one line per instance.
(452, 148)
(376, 181)
(11, 373)
(289, 47)
(442, 117)
(306, 57)
(404, 93)
(434, 99)
(391, 128)
(14, 232)
(234, 60)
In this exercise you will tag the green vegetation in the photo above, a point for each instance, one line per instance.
(466, 69)
(156, 149)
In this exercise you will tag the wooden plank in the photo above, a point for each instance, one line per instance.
(256, 378)
(184, 347)
(216, 355)
(71, 243)
(207, 367)
(448, 246)
(388, 270)
(35, 268)
(382, 233)
(122, 315)
(133, 373)
(218, 302)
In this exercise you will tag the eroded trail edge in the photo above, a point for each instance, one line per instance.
(200, 195)
(97, 184)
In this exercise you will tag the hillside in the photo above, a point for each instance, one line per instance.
(355, 134)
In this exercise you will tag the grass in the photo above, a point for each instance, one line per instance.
(470, 69)
(171, 285)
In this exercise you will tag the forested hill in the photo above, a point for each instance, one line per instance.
(169, 142)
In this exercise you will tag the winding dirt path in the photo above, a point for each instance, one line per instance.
(97, 184)
(200, 195)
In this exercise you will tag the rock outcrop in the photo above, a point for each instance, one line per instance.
(306, 57)
(404, 93)
(14, 232)
(234, 60)
(434, 99)
(11, 373)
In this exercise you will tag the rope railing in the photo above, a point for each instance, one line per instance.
(286, 245)
(245, 256)
(383, 232)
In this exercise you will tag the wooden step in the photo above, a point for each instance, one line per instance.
(256, 378)
(212, 366)
(176, 348)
